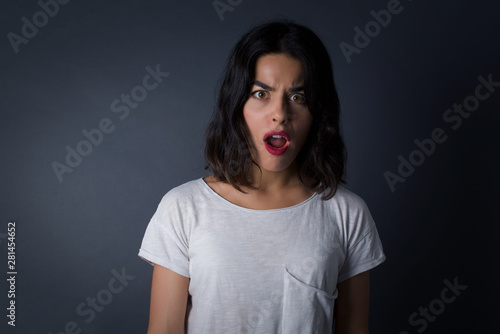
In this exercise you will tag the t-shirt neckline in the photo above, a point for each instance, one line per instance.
(228, 203)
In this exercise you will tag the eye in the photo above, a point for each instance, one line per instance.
(298, 98)
(260, 94)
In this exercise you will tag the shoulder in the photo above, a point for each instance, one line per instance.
(347, 200)
(189, 188)
(178, 206)
(183, 194)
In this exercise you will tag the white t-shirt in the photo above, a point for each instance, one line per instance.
(261, 271)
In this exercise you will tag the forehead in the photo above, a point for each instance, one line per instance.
(279, 69)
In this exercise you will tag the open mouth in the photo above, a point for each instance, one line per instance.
(276, 142)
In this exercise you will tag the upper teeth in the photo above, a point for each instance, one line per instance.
(277, 136)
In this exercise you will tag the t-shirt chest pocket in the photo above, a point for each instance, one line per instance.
(316, 261)
(309, 285)
(306, 309)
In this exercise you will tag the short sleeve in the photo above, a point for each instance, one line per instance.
(165, 241)
(364, 249)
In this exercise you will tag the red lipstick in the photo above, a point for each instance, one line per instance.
(277, 150)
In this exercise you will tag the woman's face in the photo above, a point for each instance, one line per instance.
(277, 106)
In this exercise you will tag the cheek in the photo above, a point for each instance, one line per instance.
(306, 124)
(250, 122)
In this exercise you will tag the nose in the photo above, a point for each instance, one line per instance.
(279, 112)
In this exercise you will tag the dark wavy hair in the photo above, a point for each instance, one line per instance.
(321, 161)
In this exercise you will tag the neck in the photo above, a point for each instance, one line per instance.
(269, 181)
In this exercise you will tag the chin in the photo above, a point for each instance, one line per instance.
(275, 163)
(275, 166)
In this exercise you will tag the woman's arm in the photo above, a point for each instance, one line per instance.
(169, 294)
(351, 306)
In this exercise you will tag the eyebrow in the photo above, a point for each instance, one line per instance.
(265, 86)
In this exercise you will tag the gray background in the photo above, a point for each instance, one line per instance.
(439, 224)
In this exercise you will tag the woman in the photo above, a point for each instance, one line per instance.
(254, 248)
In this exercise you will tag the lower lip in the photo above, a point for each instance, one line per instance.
(275, 150)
